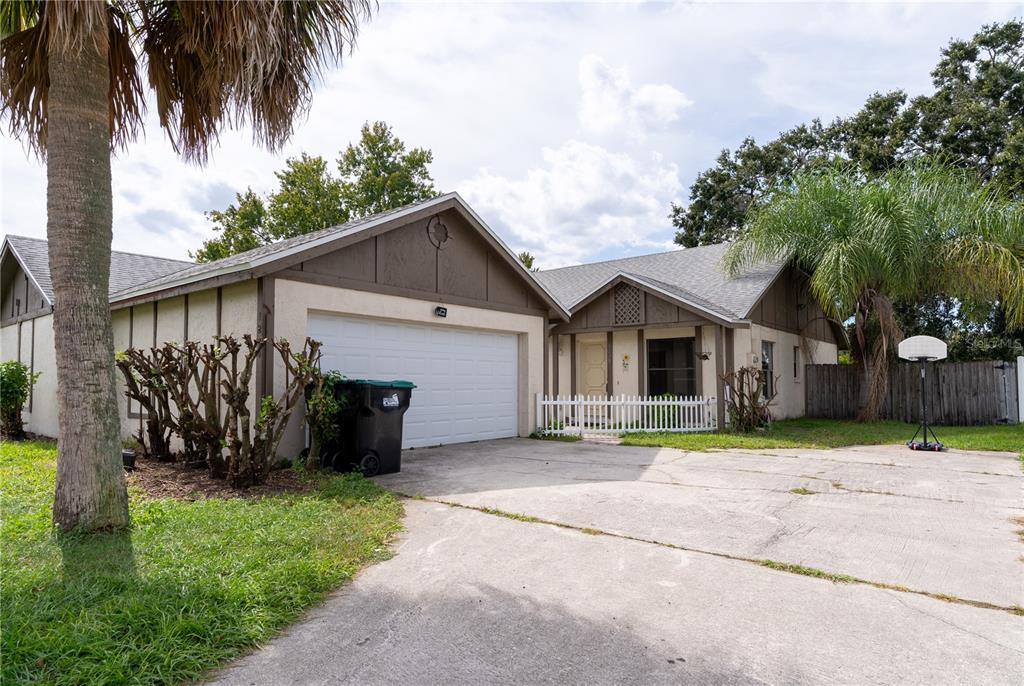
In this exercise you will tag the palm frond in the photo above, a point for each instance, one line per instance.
(24, 68)
(213, 64)
(18, 15)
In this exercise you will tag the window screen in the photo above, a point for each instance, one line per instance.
(671, 367)
(768, 368)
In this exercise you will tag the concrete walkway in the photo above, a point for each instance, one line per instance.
(475, 598)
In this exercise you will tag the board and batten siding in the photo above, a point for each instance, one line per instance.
(404, 262)
(197, 316)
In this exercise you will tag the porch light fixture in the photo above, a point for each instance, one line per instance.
(705, 355)
(441, 311)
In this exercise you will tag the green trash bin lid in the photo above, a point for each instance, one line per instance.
(378, 383)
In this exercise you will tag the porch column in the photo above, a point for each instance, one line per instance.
(554, 368)
(719, 371)
(572, 364)
(547, 357)
(641, 362)
(698, 344)
(609, 383)
(730, 351)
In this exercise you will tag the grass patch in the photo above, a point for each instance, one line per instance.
(519, 517)
(1019, 521)
(189, 586)
(810, 571)
(834, 433)
(802, 491)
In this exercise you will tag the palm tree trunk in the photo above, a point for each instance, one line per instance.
(90, 492)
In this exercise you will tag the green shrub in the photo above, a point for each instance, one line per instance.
(322, 409)
(15, 384)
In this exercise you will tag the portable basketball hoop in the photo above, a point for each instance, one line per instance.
(923, 349)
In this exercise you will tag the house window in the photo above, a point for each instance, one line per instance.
(796, 361)
(671, 367)
(768, 368)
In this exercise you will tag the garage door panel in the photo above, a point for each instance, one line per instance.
(466, 380)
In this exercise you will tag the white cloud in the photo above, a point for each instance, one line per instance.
(445, 76)
(610, 103)
(581, 200)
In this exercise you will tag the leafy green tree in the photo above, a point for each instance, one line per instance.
(721, 196)
(974, 119)
(867, 243)
(241, 227)
(378, 174)
(978, 103)
(307, 199)
(71, 86)
(527, 260)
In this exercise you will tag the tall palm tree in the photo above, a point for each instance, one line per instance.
(917, 230)
(72, 88)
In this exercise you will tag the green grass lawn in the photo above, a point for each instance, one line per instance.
(191, 584)
(832, 433)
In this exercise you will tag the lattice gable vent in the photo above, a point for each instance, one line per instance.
(626, 304)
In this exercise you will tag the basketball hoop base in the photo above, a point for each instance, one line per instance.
(932, 446)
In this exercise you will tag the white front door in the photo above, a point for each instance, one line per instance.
(466, 381)
(593, 368)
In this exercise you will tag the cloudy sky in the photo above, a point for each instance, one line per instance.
(569, 127)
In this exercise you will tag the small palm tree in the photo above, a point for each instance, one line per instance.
(917, 230)
(71, 82)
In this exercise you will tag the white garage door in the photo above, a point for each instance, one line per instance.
(465, 380)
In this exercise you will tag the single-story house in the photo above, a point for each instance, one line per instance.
(429, 293)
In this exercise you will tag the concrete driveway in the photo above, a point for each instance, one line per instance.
(647, 566)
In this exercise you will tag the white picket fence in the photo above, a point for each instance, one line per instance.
(595, 414)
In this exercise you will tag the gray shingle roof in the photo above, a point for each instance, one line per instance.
(126, 269)
(690, 274)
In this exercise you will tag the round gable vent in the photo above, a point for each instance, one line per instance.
(437, 232)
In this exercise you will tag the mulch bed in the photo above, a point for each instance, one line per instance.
(184, 482)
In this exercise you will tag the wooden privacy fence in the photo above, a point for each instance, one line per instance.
(958, 393)
(596, 414)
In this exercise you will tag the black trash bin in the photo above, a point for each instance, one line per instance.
(370, 426)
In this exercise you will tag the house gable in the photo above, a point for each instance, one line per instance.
(20, 296)
(788, 305)
(440, 257)
(626, 303)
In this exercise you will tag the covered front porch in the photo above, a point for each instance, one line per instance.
(630, 340)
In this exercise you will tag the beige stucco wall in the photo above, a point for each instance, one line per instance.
(119, 319)
(42, 418)
(202, 315)
(791, 399)
(293, 302)
(564, 366)
(625, 377)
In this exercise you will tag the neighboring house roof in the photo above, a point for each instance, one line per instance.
(690, 275)
(126, 269)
